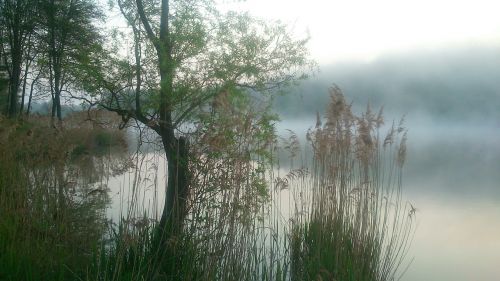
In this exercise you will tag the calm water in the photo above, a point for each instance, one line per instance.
(139, 189)
(452, 177)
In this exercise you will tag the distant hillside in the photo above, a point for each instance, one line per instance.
(462, 84)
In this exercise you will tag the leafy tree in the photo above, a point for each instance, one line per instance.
(187, 55)
(71, 40)
(30, 68)
(17, 25)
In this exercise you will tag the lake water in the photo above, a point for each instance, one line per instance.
(139, 189)
(452, 177)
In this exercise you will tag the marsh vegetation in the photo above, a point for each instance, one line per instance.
(331, 209)
(233, 200)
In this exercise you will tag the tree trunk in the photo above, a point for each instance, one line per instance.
(57, 89)
(57, 102)
(177, 189)
(176, 149)
(28, 108)
(14, 83)
(23, 93)
(171, 219)
(26, 71)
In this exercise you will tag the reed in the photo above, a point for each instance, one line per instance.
(339, 216)
(335, 211)
(355, 224)
(52, 217)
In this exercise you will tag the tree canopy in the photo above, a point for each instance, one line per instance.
(195, 55)
(187, 59)
(17, 25)
(186, 55)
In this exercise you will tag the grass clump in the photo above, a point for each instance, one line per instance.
(347, 219)
(339, 216)
(355, 225)
(51, 220)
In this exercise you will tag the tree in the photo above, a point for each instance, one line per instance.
(199, 54)
(17, 24)
(30, 56)
(71, 39)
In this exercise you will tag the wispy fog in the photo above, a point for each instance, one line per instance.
(451, 100)
(451, 103)
(457, 85)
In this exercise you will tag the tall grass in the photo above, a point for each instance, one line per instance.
(356, 225)
(228, 191)
(52, 217)
(336, 214)
(346, 219)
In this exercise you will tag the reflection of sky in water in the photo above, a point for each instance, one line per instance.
(455, 240)
(464, 160)
(452, 176)
(141, 189)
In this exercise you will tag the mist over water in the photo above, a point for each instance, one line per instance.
(450, 100)
(450, 103)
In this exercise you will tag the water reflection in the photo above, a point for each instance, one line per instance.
(139, 190)
(452, 178)
(456, 239)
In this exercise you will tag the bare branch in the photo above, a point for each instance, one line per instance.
(147, 26)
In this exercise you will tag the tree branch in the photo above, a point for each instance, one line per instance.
(147, 26)
(194, 105)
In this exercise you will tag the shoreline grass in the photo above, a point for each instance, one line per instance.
(339, 216)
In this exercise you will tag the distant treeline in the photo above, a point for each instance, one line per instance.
(455, 86)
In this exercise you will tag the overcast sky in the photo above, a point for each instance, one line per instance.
(364, 29)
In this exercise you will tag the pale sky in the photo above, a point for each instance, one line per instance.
(365, 29)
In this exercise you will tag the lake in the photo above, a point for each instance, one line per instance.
(451, 177)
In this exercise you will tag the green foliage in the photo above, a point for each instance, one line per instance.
(51, 220)
(346, 221)
(201, 69)
(210, 53)
(72, 45)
